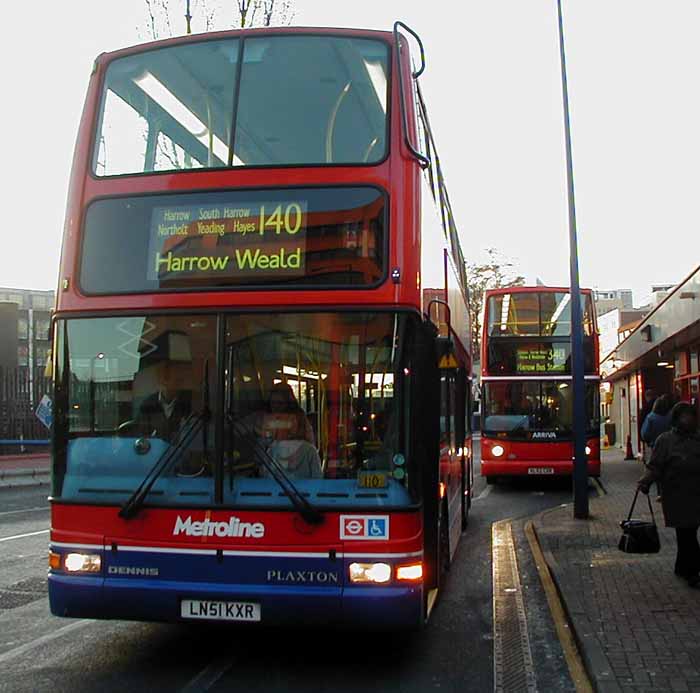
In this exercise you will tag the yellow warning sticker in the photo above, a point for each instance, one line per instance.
(448, 361)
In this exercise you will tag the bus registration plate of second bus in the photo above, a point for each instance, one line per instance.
(540, 470)
(219, 611)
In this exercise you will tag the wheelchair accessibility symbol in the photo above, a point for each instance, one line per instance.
(364, 527)
(377, 528)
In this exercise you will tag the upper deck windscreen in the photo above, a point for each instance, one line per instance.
(264, 101)
(535, 314)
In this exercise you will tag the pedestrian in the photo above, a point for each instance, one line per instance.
(675, 462)
(658, 421)
(649, 399)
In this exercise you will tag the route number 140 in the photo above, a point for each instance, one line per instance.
(288, 218)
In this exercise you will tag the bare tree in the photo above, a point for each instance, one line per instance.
(162, 16)
(264, 12)
(497, 272)
(277, 12)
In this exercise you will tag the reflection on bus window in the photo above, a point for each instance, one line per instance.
(127, 390)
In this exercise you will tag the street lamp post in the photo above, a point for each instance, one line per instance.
(577, 367)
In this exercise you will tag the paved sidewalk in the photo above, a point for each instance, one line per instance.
(24, 470)
(637, 624)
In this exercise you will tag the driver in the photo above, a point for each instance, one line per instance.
(163, 412)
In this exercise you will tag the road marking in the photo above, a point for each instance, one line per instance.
(513, 668)
(209, 676)
(484, 493)
(27, 510)
(27, 647)
(561, 622)
(27, 534)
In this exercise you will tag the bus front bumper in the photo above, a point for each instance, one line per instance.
(371, 606)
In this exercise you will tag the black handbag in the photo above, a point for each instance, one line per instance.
(639, 536)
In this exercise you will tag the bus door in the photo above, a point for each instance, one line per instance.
(450, 461)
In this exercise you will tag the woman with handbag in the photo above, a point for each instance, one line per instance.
(675, 462)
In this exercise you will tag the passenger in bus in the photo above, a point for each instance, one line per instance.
(284, 418)
(288, 435)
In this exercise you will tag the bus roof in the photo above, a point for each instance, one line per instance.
(235, 33)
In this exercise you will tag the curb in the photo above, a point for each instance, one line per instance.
(24, 477)
(563, 625)
(18, 473)
(591, 658)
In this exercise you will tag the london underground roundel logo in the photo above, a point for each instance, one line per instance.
(364, 527)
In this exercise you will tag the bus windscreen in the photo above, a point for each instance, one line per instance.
(321, 237)
(527, 409)
(324, 396)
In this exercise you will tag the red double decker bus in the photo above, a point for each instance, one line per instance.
(527, 395)
(255, 417)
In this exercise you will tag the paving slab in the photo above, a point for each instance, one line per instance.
(636, 623)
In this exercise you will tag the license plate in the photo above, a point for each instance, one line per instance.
(540, 470)
(219, 611)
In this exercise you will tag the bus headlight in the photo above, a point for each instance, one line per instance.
(82, 563)
(588, 450)
(377, 573)
(497, 450)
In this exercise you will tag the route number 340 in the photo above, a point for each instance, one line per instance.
(287, 218)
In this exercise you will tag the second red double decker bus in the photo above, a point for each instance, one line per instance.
(526, 383)
(255, 418)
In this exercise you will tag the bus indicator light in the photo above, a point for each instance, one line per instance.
(411, 572)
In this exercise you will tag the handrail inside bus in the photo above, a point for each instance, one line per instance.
(421, 158)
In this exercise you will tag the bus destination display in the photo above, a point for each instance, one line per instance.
(541, 359)
(259, 239)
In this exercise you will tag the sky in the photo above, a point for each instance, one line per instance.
(493, 90)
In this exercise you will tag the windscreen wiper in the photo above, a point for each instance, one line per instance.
(521, 425)
(193, 423)
(189, 429)
(308, 512)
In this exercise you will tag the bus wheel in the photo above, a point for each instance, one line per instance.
(490, 479)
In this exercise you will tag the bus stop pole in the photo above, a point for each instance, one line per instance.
(580, 475)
